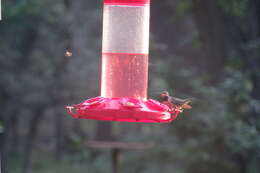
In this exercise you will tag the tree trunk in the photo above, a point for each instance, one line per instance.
(115, 154)
(59, 136)
(210, 24)
(254, 30)
(30, 139)
(7, 139)
(59, 85)
(3, 153)
(15, 136)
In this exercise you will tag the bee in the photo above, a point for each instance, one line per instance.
(68, 54)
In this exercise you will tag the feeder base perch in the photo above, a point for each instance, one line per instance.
(126, 109)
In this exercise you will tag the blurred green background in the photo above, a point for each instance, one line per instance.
(205, 49)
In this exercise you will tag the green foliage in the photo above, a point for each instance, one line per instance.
(237, 8)
(183, 7)
(222, 128)
(1, 127)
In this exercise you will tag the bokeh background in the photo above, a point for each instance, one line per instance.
(204, 49)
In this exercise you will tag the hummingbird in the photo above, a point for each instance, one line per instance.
(173, 102)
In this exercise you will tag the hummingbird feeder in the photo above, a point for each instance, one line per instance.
(124, 73)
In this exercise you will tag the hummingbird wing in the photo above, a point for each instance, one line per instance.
(177, 101)
(180, 102)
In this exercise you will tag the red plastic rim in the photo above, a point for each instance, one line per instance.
(127, 2)
(123, 109)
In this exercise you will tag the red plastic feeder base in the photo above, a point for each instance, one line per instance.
(123, 109)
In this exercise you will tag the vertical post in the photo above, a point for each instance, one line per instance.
(115, 159)
(125, 48)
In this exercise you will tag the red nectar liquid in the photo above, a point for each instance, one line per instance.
(124, 75)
